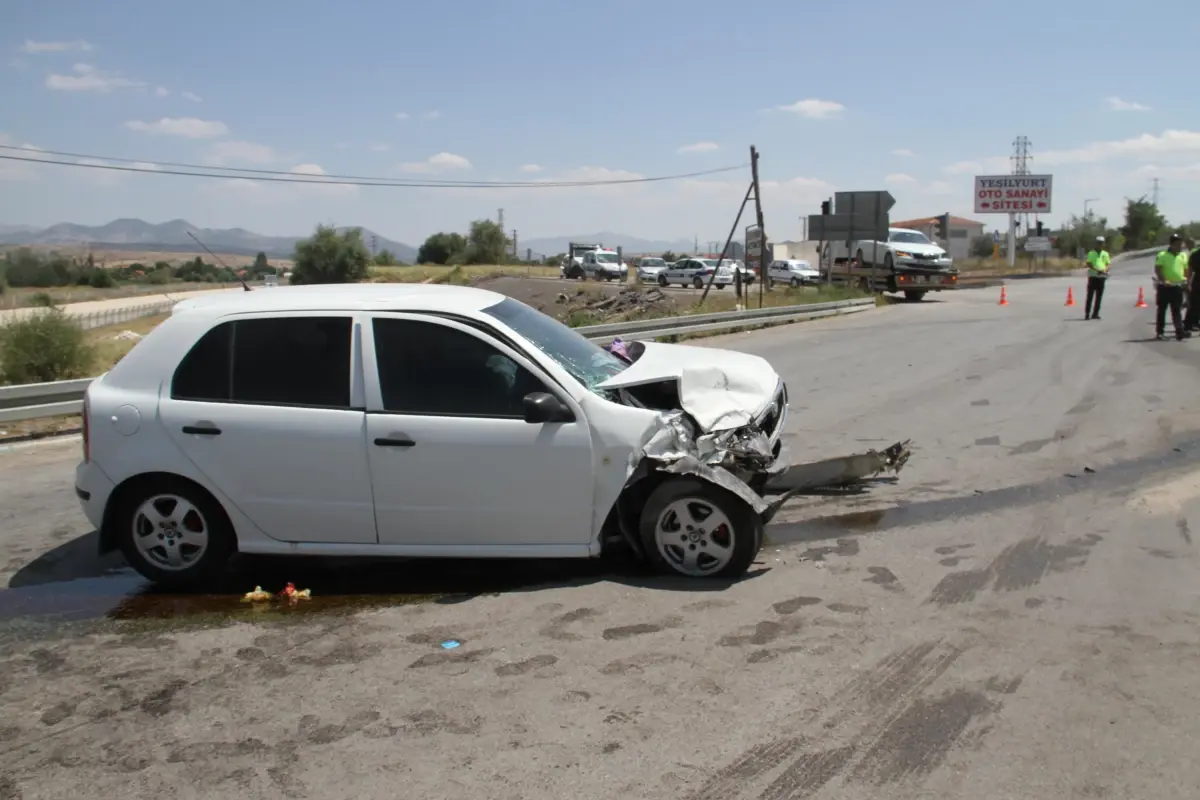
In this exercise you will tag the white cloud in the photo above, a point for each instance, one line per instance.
(402, 115)
(699, 147)
(814, 109)
(442, 162)
(963, 168)
(904, 152)
(940, 187)
(531, 168)
(429, 116)
(187, 127)
(379, 147)
(36, 48)
(279, 193)
(1170, 143)
(87, 78)
(899, 177)
(1117, 104)
(17, 170)
(330, 190)
(192, 97)
(161, 91)
(236, 152)
(1179, 172)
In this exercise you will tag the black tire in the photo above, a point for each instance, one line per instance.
(889, 262)
(222, 541)
(745, 538)
(795, 283)
(720, 286)
(662, 281)
(914, 295)
(859, 255)
(697, 283)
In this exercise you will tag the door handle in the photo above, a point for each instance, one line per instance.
(207, 430)
(399, 440)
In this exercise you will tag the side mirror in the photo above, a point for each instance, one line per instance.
(544, 407)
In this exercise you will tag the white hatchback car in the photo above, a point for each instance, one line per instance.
(422, 420)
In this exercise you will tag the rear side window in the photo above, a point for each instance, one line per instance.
(293, 361)
(428, 369)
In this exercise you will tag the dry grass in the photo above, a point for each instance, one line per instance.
(457, 275)
(972, 267)
(108, 349)
(123, 258)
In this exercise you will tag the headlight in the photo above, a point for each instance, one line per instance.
(904, 254)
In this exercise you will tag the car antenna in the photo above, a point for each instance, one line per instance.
(245, 285)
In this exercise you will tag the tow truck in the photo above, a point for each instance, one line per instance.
(907, 262)
(572, 263)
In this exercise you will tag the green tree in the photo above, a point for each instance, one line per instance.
(441, 248)
(669, 257)
(982, 246)
(261, 266)
(331, 257)
(386, 258)
(1145, 226)
(486, 243)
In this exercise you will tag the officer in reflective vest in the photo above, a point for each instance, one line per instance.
(1170, 273)
(1098, 260)
(1192, 320)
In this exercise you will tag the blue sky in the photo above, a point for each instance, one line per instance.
(861, 94)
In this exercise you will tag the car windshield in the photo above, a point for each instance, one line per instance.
(606, 258)
(585, 361)
(710, 262)
(653, 262)
(908, 237)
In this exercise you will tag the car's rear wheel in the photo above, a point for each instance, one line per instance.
(691, 527)
(173, 532)
(697, 282)
(795, 283)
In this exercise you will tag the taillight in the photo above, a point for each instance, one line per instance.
(87, 452)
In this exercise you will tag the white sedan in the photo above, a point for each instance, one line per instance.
(695, 272)
(422, 420)
(648, 268)
(793, 272)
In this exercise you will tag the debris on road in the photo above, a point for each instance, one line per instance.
(257, 596)
(837, 472)
(628, 302)
(290, 592)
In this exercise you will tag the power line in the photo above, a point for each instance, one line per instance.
(199, 171)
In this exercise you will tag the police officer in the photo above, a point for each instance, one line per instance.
(1170, 274)
(1098, 260)
(1192, 320)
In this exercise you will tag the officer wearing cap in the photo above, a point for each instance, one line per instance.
(1170, 274)
(1098, 260)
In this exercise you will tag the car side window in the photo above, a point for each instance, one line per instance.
(432, 370)
(292, 361)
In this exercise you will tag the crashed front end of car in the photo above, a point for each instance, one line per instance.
(721, 418)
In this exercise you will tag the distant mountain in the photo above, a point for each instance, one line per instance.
(138, 235)
(553, 245)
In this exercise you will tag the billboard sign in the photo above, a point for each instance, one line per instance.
(1013, 194)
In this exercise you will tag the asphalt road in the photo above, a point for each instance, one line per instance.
(1014, 617)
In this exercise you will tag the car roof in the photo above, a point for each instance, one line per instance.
(344, 297)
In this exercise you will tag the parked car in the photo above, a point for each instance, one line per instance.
(648, 268)
(695, 272)
(604, 265)
(421, 420)
(793, 272)
(748, 275)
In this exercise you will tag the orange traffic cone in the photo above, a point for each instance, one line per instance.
(1141, 303)
(1070, 297)
(1003, 296)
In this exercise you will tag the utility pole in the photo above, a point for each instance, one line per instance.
(696, 245)
(1154, 194)
(514, 243)
(758, 219)
(1020, 161)
(500, 219)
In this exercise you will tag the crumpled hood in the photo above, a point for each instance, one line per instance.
(720, 389)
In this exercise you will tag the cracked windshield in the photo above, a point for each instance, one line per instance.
(308, 487)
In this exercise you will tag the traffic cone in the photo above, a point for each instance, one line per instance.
(1003, 296)
(1070, 297)
(1141, 303)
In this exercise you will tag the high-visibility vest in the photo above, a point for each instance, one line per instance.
(1173, 266)
(1098, 263)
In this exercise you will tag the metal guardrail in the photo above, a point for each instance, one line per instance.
(36, 400)
(95, 319)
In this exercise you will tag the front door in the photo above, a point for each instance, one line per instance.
(453, 462)
(263, 408)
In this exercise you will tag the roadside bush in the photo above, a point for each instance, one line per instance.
(101, 279)
(46, 346)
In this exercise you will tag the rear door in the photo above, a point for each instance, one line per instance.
(453, 462)
(270, 410)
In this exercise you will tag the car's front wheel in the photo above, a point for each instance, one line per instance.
(662, 281)
(173, 532)
(693, 528)
(698, 282)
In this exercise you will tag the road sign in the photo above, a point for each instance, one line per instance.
(1013, 194)
(1037, 244)
(840, 227)
(753, 239)
(865, 203)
